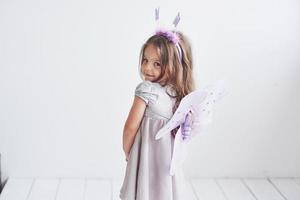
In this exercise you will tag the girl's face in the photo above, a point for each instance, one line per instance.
(151, 66)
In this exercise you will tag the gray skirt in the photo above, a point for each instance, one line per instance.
(147, 172)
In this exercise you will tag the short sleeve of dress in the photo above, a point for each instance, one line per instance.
(146, 91)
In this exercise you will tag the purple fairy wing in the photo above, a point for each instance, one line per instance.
(202, 113)
(180, 114)
(193, 114)
(178, 151)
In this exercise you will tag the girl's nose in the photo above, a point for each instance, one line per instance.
(148, 67)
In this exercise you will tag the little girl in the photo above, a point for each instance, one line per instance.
(166, 69)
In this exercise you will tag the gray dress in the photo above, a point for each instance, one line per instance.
(147, 172)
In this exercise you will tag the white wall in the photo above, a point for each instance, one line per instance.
(68, 70)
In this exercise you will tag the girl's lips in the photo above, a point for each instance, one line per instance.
(149, 75)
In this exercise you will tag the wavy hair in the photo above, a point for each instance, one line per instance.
(174, 73)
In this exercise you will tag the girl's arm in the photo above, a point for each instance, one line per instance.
(132, 123)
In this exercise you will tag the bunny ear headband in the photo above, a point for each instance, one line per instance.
(169, 35)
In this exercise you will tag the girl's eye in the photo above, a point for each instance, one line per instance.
(144, 60)
(156, 64)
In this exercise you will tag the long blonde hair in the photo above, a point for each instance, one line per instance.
(178, 75)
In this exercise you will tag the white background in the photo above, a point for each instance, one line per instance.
(68, 70)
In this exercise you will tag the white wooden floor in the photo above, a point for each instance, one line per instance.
(102, 189)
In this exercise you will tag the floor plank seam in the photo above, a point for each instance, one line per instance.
(193, 189)
(84, 191)
(276, 188)
(249, 189)
(223, 192)
(296, 181)
(111, 189)
(57, 188)
(30, 190)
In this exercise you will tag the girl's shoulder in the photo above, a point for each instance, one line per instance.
(148, 91)
(148, 86)
(144, 84)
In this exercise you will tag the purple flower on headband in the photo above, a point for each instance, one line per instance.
(172, 37)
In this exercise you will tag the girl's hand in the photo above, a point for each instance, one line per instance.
(126, 156)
